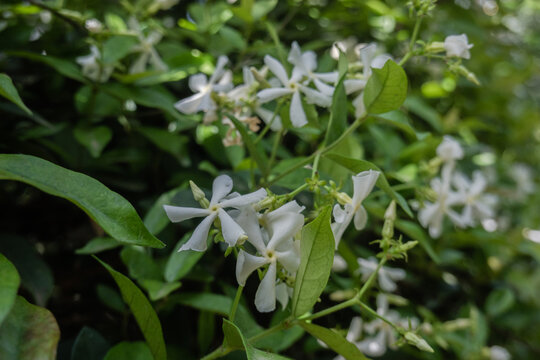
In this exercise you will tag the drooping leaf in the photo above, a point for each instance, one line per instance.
(8, 90)
(89, 345)
(29, 332)
(334, 341)
(9, 284)
(234, 339)
(143, 312)
(129, 351)
(357, 165)
(94, 139)
(97, 245)
(386, 89)
(206, 325)
(317, 254)
(110, 210)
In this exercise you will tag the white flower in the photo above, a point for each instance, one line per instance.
(148, 53)
(523, 176)
(457, 45)
(221, 187)
(386, 276)
(221, 80)
(478, 205)
(499, 353)
(274, 244)
(93, 25)
(92, 67)
(292, 86)
(449, 149)
(363, 183)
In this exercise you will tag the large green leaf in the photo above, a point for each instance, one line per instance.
(129, 351)
(89, 345)
(97, 245)
(9, 284)
(143, 311)
(110, 210)
(334, 341)
(357, 165)
(234, 339)
(8, 90)
(29, 332)
(386, 89)
(316, 257)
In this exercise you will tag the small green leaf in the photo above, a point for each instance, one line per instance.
(129, 351)
(110, 297)
(89, 345)
(158, 289)
(357, 165)
(143, 311)
(167, 141)
(386, 89)
(316, 257)
(110, 210)
(140, 264)
(97, 245)
(334, 340)
(398, 119)
(8, 90)
(499, 301)
(9, 285)
(29, 332)
(116, 47)
(180, 264)
(64, 67)
(155, 219)
(338, 112)
(93, 139)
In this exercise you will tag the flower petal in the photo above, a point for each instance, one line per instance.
(221, 186)
(276, 68)
(363, 183)
(180, 213)
(197, 241)
(192, 104)
(218, 72)
(265, 297)
(230, 229)
(269, 118)
(244, 200)
(360, 218)
(283, 227)
(248, 220)
(296, 113)
(246, 264)
(316, 97)
(267, 95)
(354, 85)
(282, 295)
(290, 259)
(197, 82)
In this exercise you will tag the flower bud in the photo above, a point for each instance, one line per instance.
(342, 198)
(435, 47)
(199, 195)
(417, 341)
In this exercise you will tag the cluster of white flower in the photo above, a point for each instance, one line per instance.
(93, 67)
(454, 189)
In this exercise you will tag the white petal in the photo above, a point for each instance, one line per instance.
(218, 73)
(269, 118)
(395, 274)
(386, 283)
(282, 295)
(246, 264)
(355, 329)
(139, 65)
(289, 259)
(283, 227)
(339, 213)
(316, 97)
(382, 304)
(265, 297)
(325, 89)
(360, 218)
(197, 241)
(222, 186)
(359, 107)
(243, 200)
(379, 61)
(339, 264)
(267, 95)
(192, 104)
(230, 229)
(295, 55)
(249, 221)
(278, 69)
(309, 61)
(291, 206)
(363, 183)
(296, 113)
(354, 85)
(156, 61)
(329, 77)
(374, 346)
(197, 82)
(180, 213)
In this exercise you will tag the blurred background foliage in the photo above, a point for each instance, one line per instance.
(126, 133)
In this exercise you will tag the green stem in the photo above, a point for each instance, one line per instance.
(268, 331)
(219, 352)
(234, 306)
(277, 140)
(371, 279)
(297, 191)
(413, 40)
(330, 310)
(267, 126)
(377, 315)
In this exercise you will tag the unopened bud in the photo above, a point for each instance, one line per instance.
(199, 195)
(417, 341)
(342, 198)
(435, 47)
(390, 213)
(242, 239)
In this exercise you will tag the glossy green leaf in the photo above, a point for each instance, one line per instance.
(140, 264)
(338, 112)
(94, 139)
(129, 351)
(316, 258)
(334, 341)
(158, 289)
(8, 90)
(110, 210)
(234, 339)
(143, 311)
(116, 47)
(89, 345)
(29, 332)
(256, 152)
(110, 297)
(9, 285)
(357, 166)
(386, 89)
(179, 264)
(97, 245)
(499, 301)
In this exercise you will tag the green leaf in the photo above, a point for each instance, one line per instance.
(338, 112)
(316, 257)
(8, 90)
(181, 263)
(420, 108)
(334, 341)
(140, 264)
(110, 297)
(64, 67)
(9, 285)
(167, 141)
(110, 210)
(262, 7)
(89, 345)
(93, 139)
(97, 245)
(206, 325)
(116, 47)
(398, 119)
(129, 351)
(143, 311)
(357, 165)
(158, 289)
(499, 301)
(155, 219)
(257, 153)
(36, 276)
(29, 332)
(386, 89)
(415, 232)
(234, 339)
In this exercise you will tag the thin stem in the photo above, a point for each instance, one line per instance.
(377, 315)
(370, 280)
(268, 331)
(234, 306)
(267, 126)
(297, 191)
(277, 140)
(216, 354)
(413, 40)
(330, 310)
